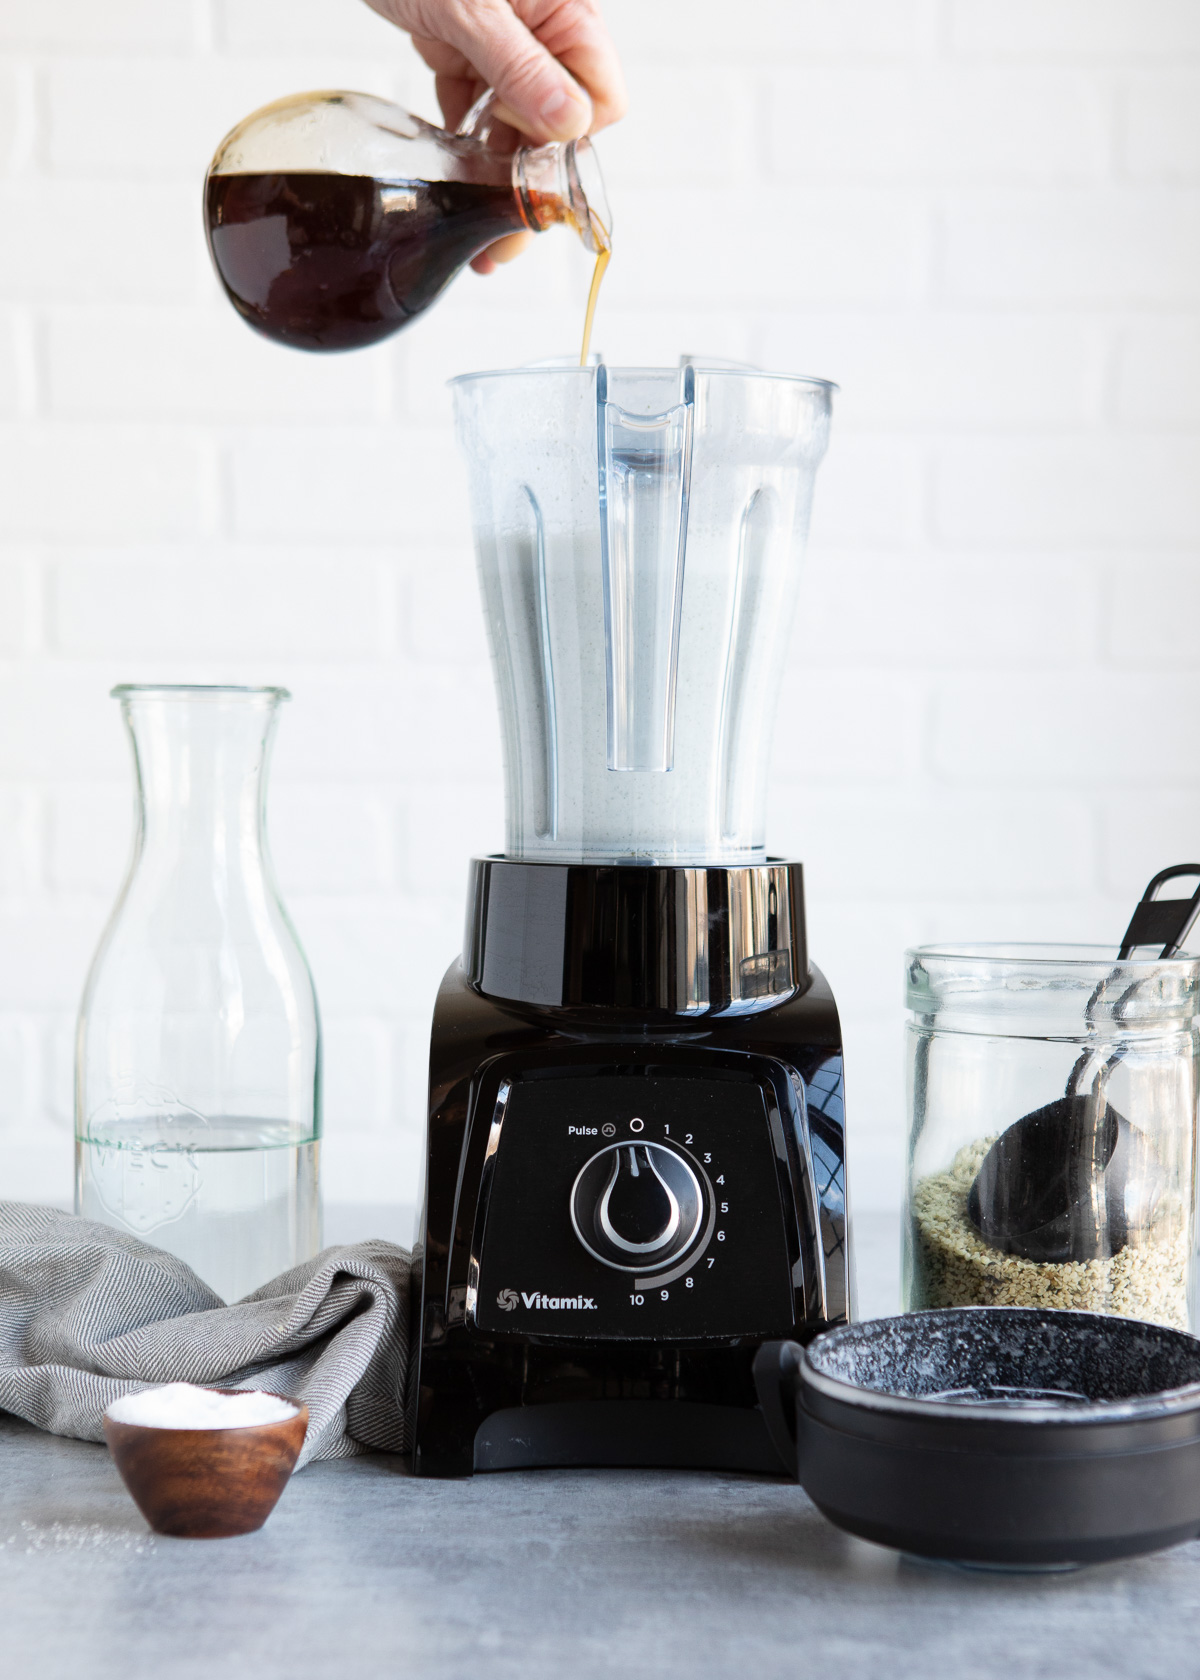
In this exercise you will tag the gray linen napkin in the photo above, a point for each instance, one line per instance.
(88, 1314)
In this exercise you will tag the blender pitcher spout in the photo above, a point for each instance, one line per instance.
(645, 468)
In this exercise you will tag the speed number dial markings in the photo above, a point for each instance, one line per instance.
(644, 1206)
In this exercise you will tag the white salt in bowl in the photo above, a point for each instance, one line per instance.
(205, 1463)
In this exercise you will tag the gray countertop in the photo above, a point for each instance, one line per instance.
(364, 1570)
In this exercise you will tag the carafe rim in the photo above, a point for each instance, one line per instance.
(199, 691)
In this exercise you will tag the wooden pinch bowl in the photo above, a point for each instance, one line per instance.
(207, 1484)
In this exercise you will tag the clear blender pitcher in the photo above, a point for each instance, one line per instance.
(639, 532)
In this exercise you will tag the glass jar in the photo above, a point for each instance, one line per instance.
(197, 1071)
(1052, 1105)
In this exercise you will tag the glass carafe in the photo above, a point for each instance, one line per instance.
(197, 1076)
(333, 219)
(639, 533)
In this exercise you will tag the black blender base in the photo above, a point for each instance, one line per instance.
(668, 1433)
(675, 1435)
(619, 1368)
(622, 1203)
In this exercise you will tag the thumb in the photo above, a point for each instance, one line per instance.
(534, 93)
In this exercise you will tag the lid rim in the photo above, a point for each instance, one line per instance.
(1133, 1408)
(710, 372)
(1041, 954)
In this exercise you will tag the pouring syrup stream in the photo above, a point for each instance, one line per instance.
(603, 257)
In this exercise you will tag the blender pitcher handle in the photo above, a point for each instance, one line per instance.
(645, 469)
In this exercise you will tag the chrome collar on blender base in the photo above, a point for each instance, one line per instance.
(651, 940)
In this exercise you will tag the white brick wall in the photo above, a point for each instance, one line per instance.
(981, 216)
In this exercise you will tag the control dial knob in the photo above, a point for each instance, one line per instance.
(637, 1206)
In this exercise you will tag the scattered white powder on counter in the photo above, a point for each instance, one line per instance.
(185, 1406)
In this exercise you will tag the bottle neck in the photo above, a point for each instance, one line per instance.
(561, 182)
(201, 760)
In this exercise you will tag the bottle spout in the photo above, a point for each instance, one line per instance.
(591, 213)
(645, 464)
(562, 182)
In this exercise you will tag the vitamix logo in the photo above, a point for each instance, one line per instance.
(507, 1302)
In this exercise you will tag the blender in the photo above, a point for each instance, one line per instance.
(635, 1168)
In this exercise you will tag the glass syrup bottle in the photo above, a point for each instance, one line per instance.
(335, 219)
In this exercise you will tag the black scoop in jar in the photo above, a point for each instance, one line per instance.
(1057, 1184)
(1075, 1180)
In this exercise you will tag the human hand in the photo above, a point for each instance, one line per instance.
(552, 64)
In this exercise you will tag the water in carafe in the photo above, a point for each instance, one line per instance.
(235, 1197)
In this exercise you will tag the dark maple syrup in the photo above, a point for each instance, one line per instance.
(332, 262)
(603, 242)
